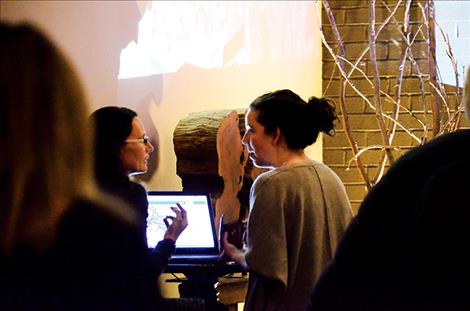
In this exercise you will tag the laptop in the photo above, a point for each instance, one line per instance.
(198, 243)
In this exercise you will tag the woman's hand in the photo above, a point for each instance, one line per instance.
(179, 222)
(232, 252)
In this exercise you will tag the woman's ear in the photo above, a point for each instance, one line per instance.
(277, 136)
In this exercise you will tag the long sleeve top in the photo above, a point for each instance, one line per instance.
(297, 215)
(135, 196)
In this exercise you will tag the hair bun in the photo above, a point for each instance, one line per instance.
(323, 113)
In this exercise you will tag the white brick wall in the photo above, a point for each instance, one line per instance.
(453, 17)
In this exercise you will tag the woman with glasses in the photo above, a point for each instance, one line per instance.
(122, 149)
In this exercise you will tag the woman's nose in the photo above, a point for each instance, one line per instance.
(245, 139)
(150, 147)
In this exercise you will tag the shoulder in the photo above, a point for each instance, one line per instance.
(129, 191)
(296, 174)
(137, 191)
(98, 216)
(122, 185)
(136, 186)
(412, 170)
(440, 151)
(107, 232)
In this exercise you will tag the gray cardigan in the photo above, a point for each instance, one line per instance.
(297, 215)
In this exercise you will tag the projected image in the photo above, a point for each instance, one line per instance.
(215, 34)
(199, 230)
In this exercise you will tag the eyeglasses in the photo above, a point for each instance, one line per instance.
(144, 140)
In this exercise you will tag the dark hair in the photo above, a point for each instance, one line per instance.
(112, 127)
(299, 121)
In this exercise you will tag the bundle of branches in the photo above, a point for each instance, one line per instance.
(441, 114)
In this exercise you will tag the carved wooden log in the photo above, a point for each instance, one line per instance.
(211, 157)
(231, 158)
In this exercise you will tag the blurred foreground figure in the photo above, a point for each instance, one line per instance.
(61, 246)
(407, 249)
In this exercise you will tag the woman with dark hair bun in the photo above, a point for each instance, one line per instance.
(298, 210)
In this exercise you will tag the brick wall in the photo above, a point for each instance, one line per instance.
(352, 18)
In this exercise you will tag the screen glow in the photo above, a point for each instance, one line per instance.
(199, 230)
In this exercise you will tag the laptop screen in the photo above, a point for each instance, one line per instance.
(199, 237)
